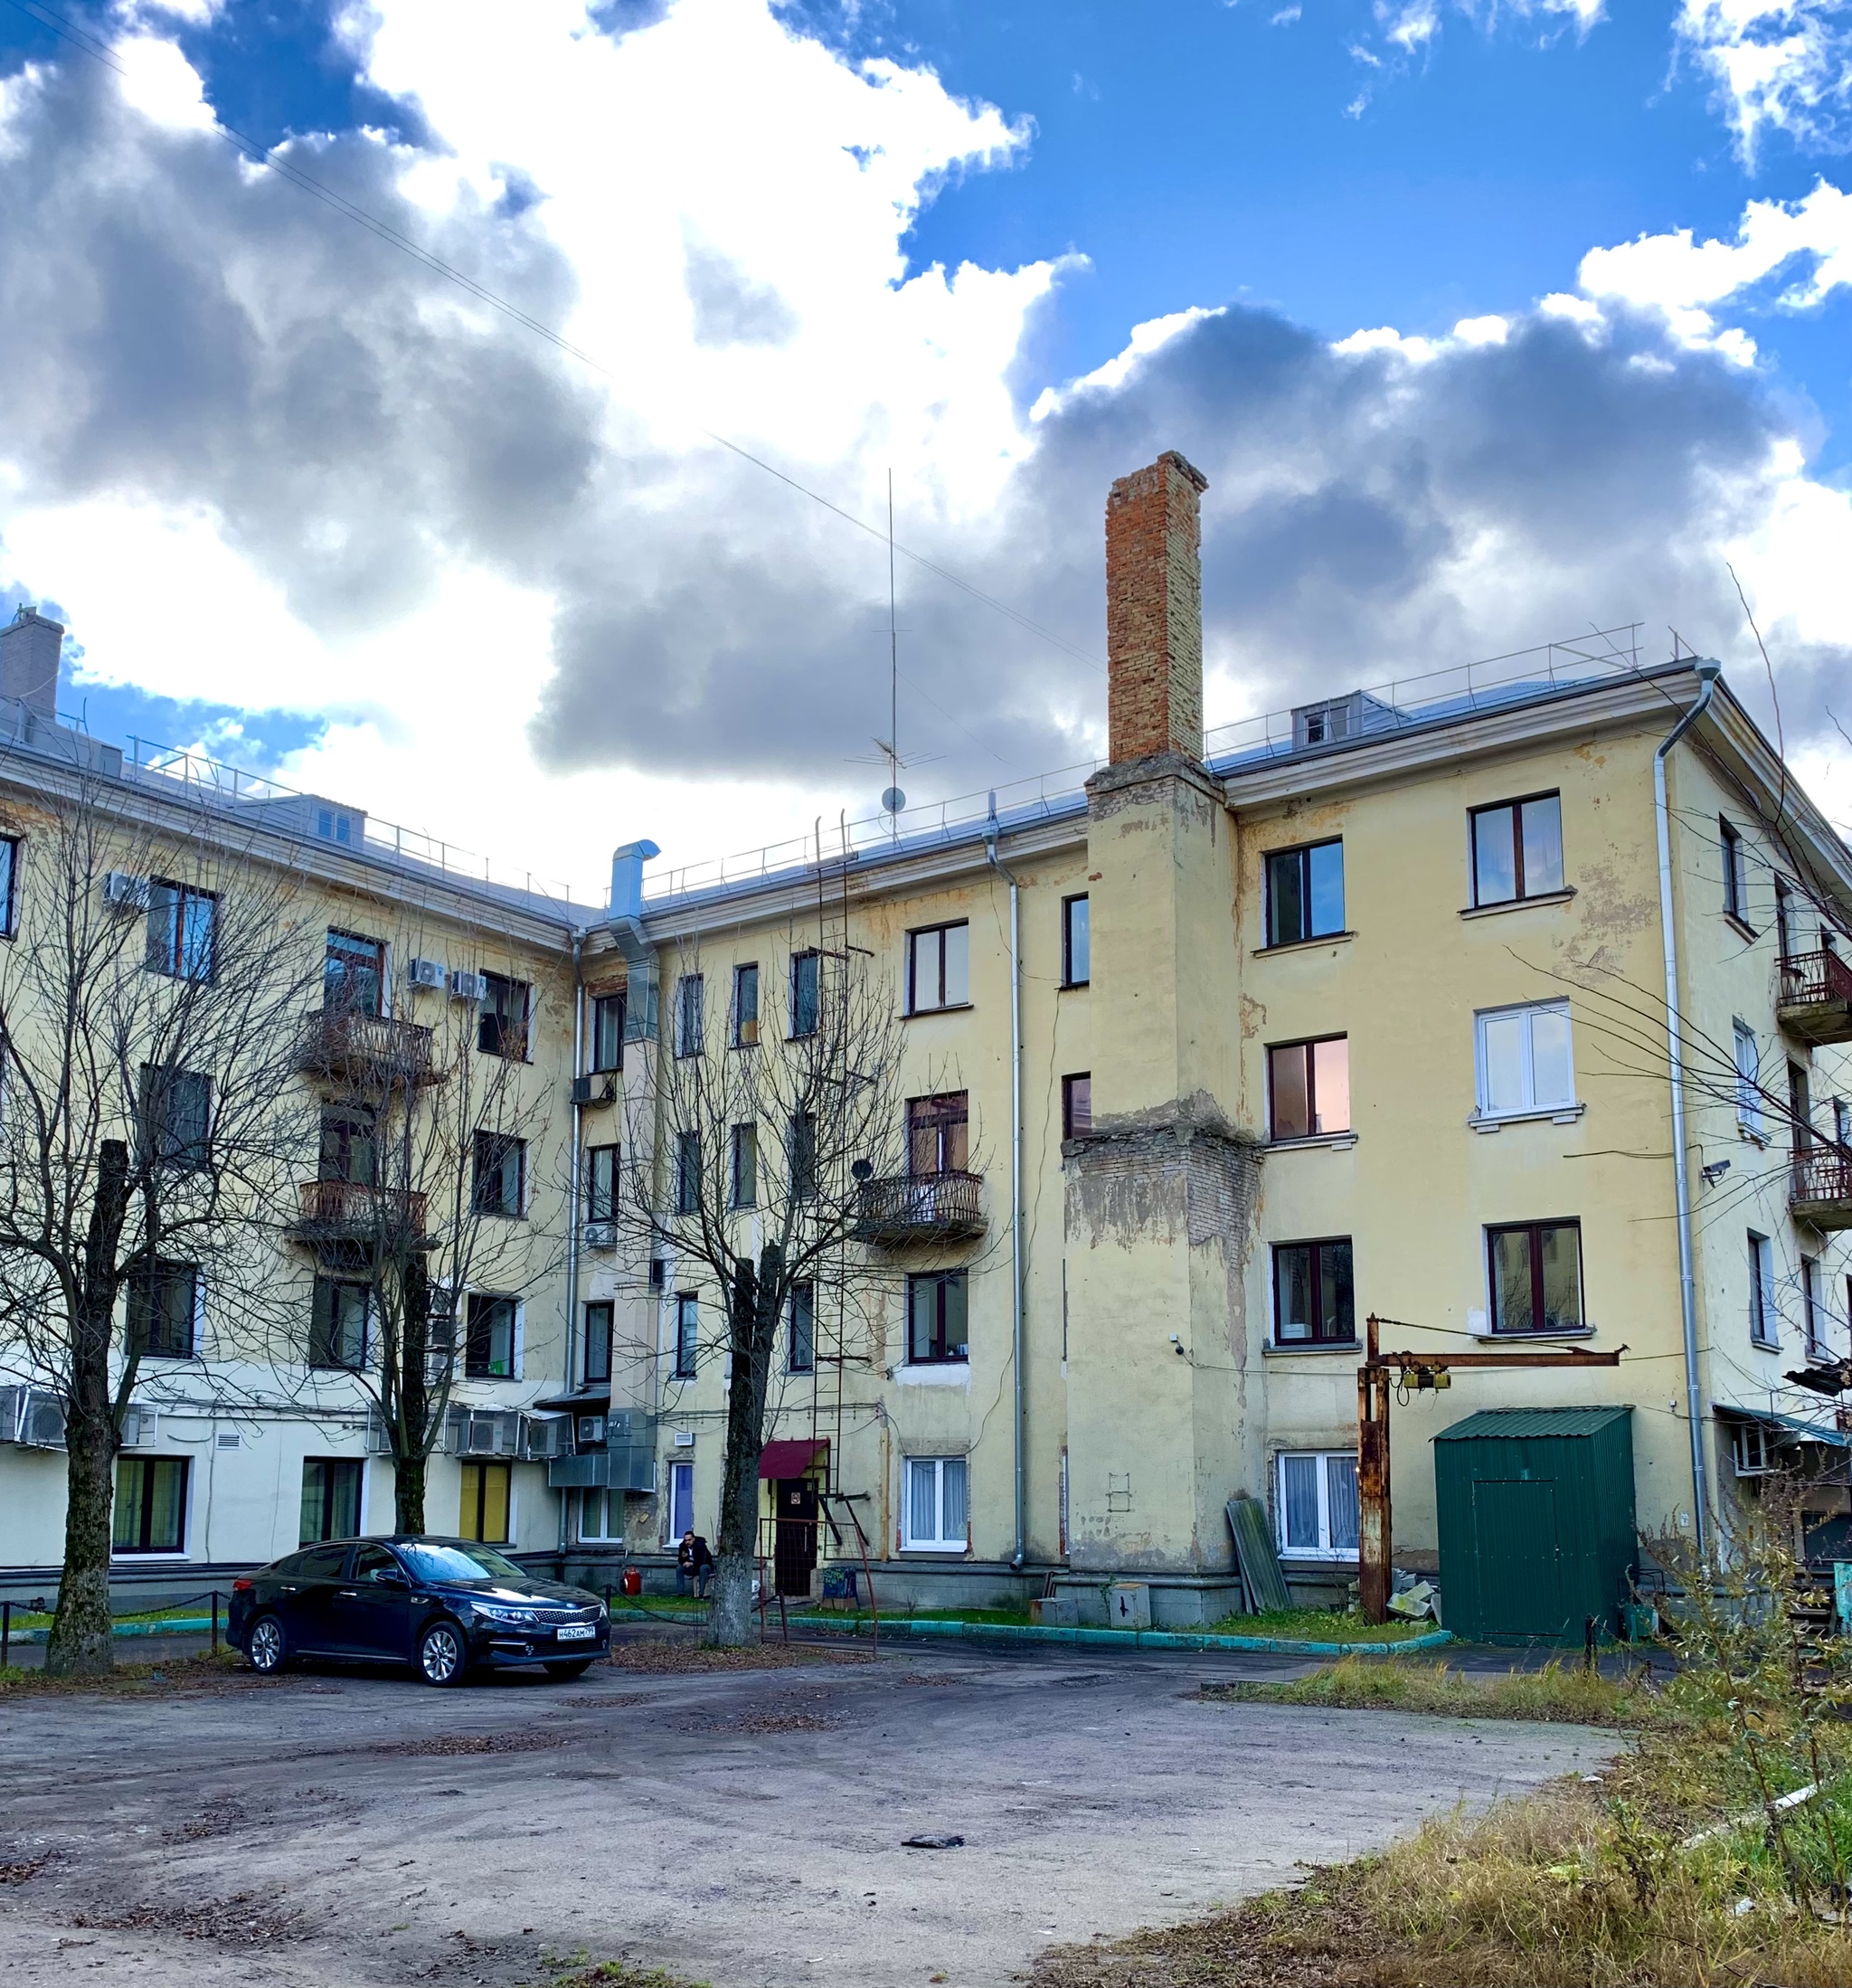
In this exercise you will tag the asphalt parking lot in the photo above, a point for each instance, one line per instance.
(743, 1828)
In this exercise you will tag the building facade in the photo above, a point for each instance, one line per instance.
(1361, 1011)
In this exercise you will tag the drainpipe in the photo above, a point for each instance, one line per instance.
(1707, 674)
(1015, 1187)
(572, 1204)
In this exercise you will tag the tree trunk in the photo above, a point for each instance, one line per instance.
(81, 1643)
(754, 1295)
(412, 1437)
(409, 1474)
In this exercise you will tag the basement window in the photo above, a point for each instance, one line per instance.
(1317, 1510)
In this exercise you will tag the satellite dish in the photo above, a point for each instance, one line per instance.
(893, 800)
(862, 1169)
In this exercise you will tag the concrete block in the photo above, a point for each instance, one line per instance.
(1056, 1611)
(1131, 1605)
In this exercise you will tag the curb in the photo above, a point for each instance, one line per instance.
(1121, 1638)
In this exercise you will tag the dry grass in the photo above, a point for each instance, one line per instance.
(1557, 1694)
(666, 1656)
(174, 1675)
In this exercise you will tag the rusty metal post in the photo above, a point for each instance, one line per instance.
(1375, 1524)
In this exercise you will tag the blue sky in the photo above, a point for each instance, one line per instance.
(917, 237)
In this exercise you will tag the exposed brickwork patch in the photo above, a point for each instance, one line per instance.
(1154, 611)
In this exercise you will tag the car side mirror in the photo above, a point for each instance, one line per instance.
(388, 1577)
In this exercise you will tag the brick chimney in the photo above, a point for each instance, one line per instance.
(1154, 611)
(30, 651)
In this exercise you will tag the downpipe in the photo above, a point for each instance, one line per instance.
(1019, 1400)
(577, 1166)
(1707, 674)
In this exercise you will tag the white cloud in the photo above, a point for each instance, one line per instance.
(1780, 65)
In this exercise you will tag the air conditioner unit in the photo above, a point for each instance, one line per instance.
(126, 891)
(592, 1429)
(600, 1235)
(544, 1437)
(379, 1439)
(33, 1417)
(482, 1431)
(140, 1426)
(598, 1090)
(465, 986)
(426, 972)
(1749, 1449)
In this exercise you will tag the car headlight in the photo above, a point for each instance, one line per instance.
(521, 1616)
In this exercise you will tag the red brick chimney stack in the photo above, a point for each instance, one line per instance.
(1154, 611)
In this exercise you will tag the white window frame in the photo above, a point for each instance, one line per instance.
(679, 1472)
(1748, 1054)
(613, 1515)
(937, 936)
(1526, 1013)
(1762, 1309)
(1325, 1550)
(913, 1540)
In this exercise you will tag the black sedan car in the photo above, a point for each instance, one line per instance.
(448, 1605)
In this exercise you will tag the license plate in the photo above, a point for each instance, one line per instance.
(577, 1633)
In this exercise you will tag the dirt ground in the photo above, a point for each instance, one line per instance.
(742, 1828)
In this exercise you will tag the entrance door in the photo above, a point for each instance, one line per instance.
(1519, 1564)
(794, 1560)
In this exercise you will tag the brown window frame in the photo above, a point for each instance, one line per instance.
(140, 1308)
(324, 1341)
(342, 947)
(602, 1005)
(148, 1466)
(939, 1115)
(941, 1006)
(1736, 873)
(490, 1153)
(1315, 1282)
(938, 1340)
(1306, 1047)
(602, 1197)
(1069, 978)
(508, 1036)
(1543, 1330)
(1513, 808)
(332, 1472)
(687, 1335)
(478, 1341)
(597, 1325)
(744, 1030)
(168, 951)
(1077, 1124)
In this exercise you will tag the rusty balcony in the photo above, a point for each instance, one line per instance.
(926, 1207)
(369, 1052)
(1813, 997)
(350, 1213)
(1822, 1190)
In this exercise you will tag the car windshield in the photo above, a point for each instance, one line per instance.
(457, 1562)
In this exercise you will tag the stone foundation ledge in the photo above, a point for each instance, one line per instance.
(1119, 1639)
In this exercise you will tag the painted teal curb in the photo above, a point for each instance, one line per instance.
(176, 1625)
(1121, 1638)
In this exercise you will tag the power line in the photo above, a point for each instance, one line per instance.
(260, 155)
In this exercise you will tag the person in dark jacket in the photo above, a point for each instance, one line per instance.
(694, 1565)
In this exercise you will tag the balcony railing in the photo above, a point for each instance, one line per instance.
(1813, 996)
(919, 1208)
(1821, 1193)
(374, 1051)
(350, 1211)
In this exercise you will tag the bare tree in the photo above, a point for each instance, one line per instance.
(420, 1215)
(758, 1156)
(149, 1112)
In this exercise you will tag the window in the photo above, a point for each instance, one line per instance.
(1785, 934)
(1523, 1060)
(800, 1357)
(353, 975)
(176, 1116)
(601, 1517)
(800, 1148)
(1842, 1122)
(163, 1307)
(805, 968)
(938, 1504)
(1319, 1509)
(939, 968)
(501, 1027)
(330, 1499)
(182, 930)
(681, 1500)
(1305, 892)
(150, 1505)
(1309, 1088)
(746, 1006)
(1811, 1308)
(500, 1176)
(690, 1012)
(9, 885)
(687, 1334)
(1736, 873)
(598, 1341)
(1313, 1302)
(602, 1183)
(1748, 1080)
(607, 1014)
(939, 1133)
(349, 1145)
(338, 1323)
(1076, 961)
(1077, 1105)
(1516, 849)
(1799, 1108)
(743, 1168)
(936, 1306)
(687, 1173)
(490, 1349)
(1535, 1276)
(483, 1509)
(1764, 1321)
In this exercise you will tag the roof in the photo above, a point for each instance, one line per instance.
(790, 1456)
(1797, 1427)
(1505, 1423)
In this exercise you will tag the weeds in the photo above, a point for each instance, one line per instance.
(1558, 1693)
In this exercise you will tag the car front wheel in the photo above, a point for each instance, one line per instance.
(442, 1655)
(266, 1648)
(576, 1668)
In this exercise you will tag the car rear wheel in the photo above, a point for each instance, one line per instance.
(266, 1648)
(443, 1657)
(576, 1668)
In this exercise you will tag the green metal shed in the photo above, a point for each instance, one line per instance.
(1536, 1509)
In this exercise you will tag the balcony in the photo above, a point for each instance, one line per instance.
(927, 1208)
(1813, 997)
(1822, 1192)
(336, 1213)
(371, 1052)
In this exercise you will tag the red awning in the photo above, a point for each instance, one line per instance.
(790, 1457)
